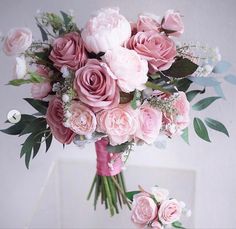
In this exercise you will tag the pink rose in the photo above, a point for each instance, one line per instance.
(128, 67)
(17, 41)
(169, 211)
(105, 30)
(54, 117)
(118, 123)
(156, 225)
(144, 209)
(172, 23)
(96, 86)
(82, 120)
(149, 124)
(68, 51)
(157, 49)
(147, 22)
(175, 123)
(40, 90)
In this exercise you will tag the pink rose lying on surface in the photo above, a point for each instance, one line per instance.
(128, 67)
(147, 22)
(149, 124)
(83, 120)
(96, 86)
(157, 49)
(118, 123)
(144, 209)
(17, 41)
(54, 117)
(106, 30)
(169, 211)
(68, 51)
(173, 23)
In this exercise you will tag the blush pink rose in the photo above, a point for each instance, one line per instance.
(96, 86)
(68, 51)
(157, 49)
(83, 120)
(175, 123)
(144, 209)
(119, 124)
(169, 211)
(147, 22)
(54, 117)
(128, 67)
(40, 90)
(17, 41)
(149, 124)
(105, 30)
(172, 23)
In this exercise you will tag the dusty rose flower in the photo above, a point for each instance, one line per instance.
(68, 51)
(128, 67)
(149, 124)
(96, 86)
(40, 90)
(144, 209)
(157, 49)
(147, 22)
(82, 120)
(173, 23)
(105, 30)
(169, 211)
(17, 41)
(175, 123)
(118, 123)
(54, 117)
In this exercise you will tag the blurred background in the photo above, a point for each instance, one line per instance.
(52, 193)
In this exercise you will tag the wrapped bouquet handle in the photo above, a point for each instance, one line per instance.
(108, 182)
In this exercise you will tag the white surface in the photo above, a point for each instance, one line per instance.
(215, 164)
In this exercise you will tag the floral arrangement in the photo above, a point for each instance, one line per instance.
(114, 83)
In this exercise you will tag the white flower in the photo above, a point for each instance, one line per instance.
(65, 98)
(65, 72)
(20, 68)
(160, 194)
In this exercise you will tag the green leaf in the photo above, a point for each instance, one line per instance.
(48, 140)
(136, 97)
(67, 18)
(182, 67)
(39, 105)
(185, 135)
(35, 78)
(201, 129)
(221, 67)
(18, 82)
(118, 148)
(36, 125)
(216, 125)
(192, 94)
(183, 84)
(230, 79)
(204, 81)
(43, 33)
(204, 103)
(165, 87)
(130, 195)
(177, 224)
(19, 127)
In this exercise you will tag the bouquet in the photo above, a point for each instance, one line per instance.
(114, 83)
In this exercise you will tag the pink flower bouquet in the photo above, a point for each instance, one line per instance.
(114, 83)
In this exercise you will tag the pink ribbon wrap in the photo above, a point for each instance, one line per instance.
(108, 164)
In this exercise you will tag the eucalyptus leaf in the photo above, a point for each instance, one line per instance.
(185, 135)
(218, 90)
(177, 224)
(204, 81)
(230, 79)
(130, 195)
(39, 105)
(216, 125)
(183, 84)
(166, 88)
(192, 94)
(201, 129)
(67, 18)
(19, 82)
(43, 33)
(118, 148)
(221, 67)
(204, 103)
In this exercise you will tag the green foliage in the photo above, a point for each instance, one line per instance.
(192, 94)
(43, 32)
(136, 97)
(33, 78)
(130, 195)
(177, 224)
(39, 105)
(183, 84)
(185, 135)
(216, 125)
(119, 148)
(204, 103)
(201, 129)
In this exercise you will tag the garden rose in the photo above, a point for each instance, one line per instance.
(82, 121)
(128, 67)
(144, 209)
(105, 30)
(40, 90)
(157, 49)
(173, 23)
(147, 22)
(68, 51)
(17, 41)
(54, 117)
(149, 124)
(96, 86)
(175, 123)
(169, 211)
(20, 68)
(118, 123)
